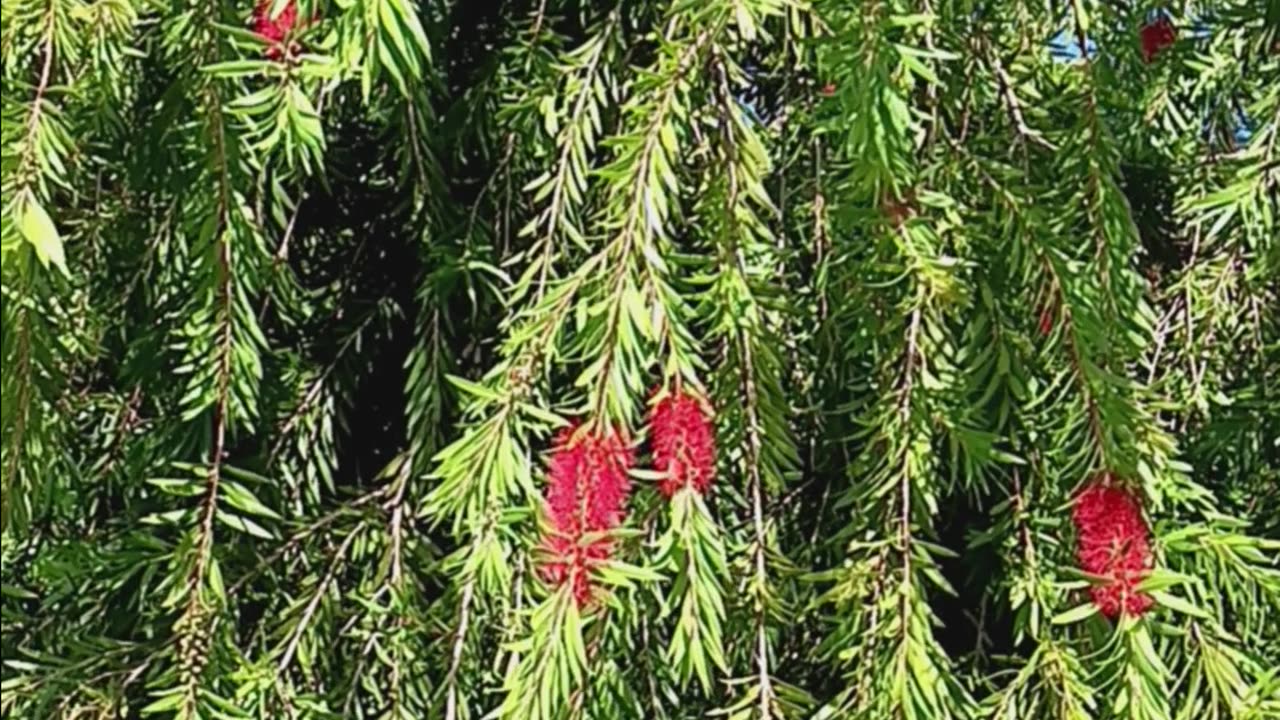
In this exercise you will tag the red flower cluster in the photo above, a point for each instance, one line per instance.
(1113, 544)
(684, 444)
(274, 30)
(586, 494)
(1155, 36)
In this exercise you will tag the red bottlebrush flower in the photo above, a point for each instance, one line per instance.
(1113, 543)
(1155, 36)
(828, 90)
(1046, 320)
(684, 444)
(587, 492)
(274, 29)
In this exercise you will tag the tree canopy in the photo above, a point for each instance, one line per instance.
(751, 359)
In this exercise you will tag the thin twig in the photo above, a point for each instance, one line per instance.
(310, 610)
(1013, 107)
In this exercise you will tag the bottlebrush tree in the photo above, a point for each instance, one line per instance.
(776, 359)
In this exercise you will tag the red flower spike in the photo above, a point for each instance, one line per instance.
(1046, 320)
(1113, 543)
(1155, 36)
(587, 492)
(274, 30)
(684, 444)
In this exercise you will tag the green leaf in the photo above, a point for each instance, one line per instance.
(242, 499)
(546, 416)
(237, 68)
(244, 524)
(1075, 614)
(38, 228)
(1173, 602)
(1161, 578)
(167, 702)
(473, 388)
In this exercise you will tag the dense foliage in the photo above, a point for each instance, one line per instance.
(533, 360)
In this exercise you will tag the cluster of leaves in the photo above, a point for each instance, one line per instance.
(288, 327)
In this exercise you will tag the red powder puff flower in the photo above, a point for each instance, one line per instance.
(1113, 544)
(684, 444)
(274, 29)
(587, 492)
(1155, 36)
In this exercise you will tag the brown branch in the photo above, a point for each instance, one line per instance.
(1013, 107)
(636, 202)
(755, 445)
(313, 391)
(18, 435)
(556, 208)
(23, 364)
(1069, 332)
(225, 343)
(302, 535)
(314, 603)
(37, 105)
(455, 653)
(904, 537)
